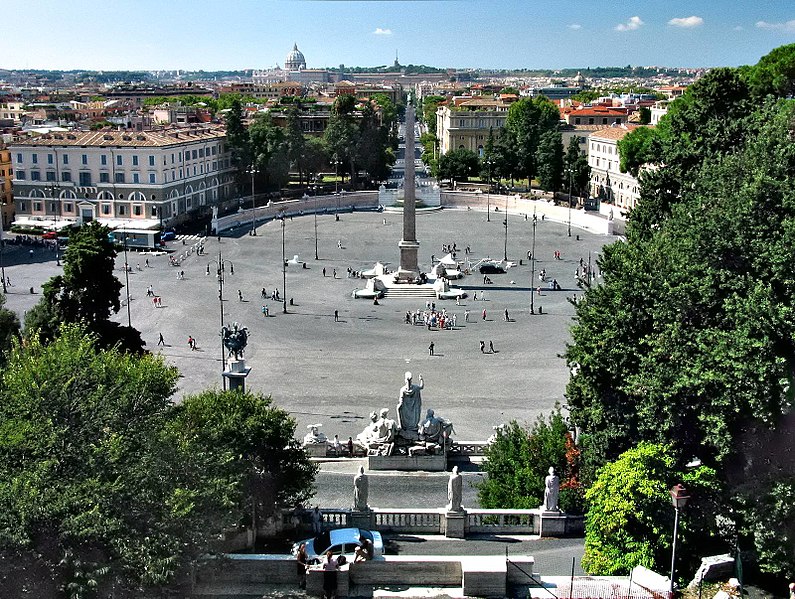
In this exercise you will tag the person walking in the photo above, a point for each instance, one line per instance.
(336, 316)
(207, 272)
(324, 271)
(491, 347)
(484, 313)
(329, 576)
(263, 294)
(482, 347)
(466, 315)
(301, 564)
(239, 295)
(161, 341)
(430, 349)
(506, 315)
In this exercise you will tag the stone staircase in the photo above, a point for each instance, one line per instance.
(410, 292)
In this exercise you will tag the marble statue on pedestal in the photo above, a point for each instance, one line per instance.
(360, 491)
(380, 434)
(409, 408)
(314, 437)
(551, 492)
(454, 491)
(434, 429)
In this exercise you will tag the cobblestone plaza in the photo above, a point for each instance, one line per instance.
(336, 373)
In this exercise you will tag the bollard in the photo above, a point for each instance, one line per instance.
(520, 262)
(578, 237)
(540, 310)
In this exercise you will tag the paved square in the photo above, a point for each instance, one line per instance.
(336, 373)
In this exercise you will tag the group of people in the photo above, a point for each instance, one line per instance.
(431, 318)
(330, 566)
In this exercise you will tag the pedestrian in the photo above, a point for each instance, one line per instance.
(208, 271)
(335, 273)
(484, 313)
(239, 295)
(159, 302)
(482, 347)
(430, 349)
(263, 294)
(317, 521)
(506, 315)
(161, 341)
(458, 300)
(339, 244)
(301, 564)
(336, 316)
(454, 319)
(146, 263)
(350, 446)
(466, 315)
(329, 576)
(475, 296)
(324, 271)
(491, 347)
(231, 268)
(336, 445)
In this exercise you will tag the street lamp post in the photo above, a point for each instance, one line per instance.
(505, 251)
(679, 499)
(533, 265)
(2, 246)
(252, 170)
(570, 177)
(220, 264)
(284, 272)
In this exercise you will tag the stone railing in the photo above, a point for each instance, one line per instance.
(431, 521)
(462, 449)
(524, 522)
(327, 204)
(407, 521)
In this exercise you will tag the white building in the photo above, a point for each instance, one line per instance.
(143, 179)
(607, 180)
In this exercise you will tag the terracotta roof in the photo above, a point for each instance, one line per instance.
(131, 139)
(612, 133)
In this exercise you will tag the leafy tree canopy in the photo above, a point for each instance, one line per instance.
(458, 165)
(9, 328)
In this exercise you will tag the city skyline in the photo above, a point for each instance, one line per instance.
(247, 34)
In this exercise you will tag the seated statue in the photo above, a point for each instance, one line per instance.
(382, 430)
(314, 437)
(433, 429)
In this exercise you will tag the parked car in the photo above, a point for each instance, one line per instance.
(491, 268)
(341, 541)
(168, 236)
(50, 235)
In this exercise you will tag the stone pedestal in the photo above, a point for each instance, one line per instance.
(551, 523)
(362, 519)
(236, 373)
(409, 269)
(427, 463)
(317, 450)
(455, 524)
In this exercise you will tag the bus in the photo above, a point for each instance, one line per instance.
(136, 238)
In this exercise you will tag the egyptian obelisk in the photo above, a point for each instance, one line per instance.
(409, 245)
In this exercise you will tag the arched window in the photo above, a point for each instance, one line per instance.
(36, 193)
(136, 196)
(68, 194)
(104, 195)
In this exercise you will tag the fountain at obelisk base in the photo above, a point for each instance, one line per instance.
(408, 280)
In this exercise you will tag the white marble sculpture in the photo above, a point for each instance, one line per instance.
(409, 408)
(434, 429)
(551, 491)
(314, 437)
(360, 491)
(454, 491)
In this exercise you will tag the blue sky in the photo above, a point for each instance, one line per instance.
(241, 34)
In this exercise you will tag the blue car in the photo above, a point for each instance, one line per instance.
(341, 541)
(168, 236)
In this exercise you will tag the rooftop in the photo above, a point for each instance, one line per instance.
(134, 139)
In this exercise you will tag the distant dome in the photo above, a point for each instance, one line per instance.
(295, 60)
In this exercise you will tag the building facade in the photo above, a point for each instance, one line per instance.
(607, 181)
(141, 179)
(6, 192)
(467, 123)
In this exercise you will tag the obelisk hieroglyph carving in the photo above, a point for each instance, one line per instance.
(409, 244)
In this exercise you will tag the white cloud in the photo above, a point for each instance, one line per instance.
(687, 22)
(575, 26)
(380, 31)
(787, 26)
(738, 28)
(631, 25)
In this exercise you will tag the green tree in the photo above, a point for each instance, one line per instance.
(769, 520)
(237, 137)
(527, 122)
(273, 469)
(518, 460)
(586, 96)
(458, 165)
(630, 518)
(296, 143)
(87, 292)
(341, 134)
(510, 90)
(638, 147)
(316, 157)
(775, 73)
(645, 115)
(270, 152)
(9, 328)
(373, 154)
(429, 106)
(549, 157)
(95, 495)
(575, 166)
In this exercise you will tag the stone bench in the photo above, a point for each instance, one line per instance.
(409, 570)
(484, 576)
